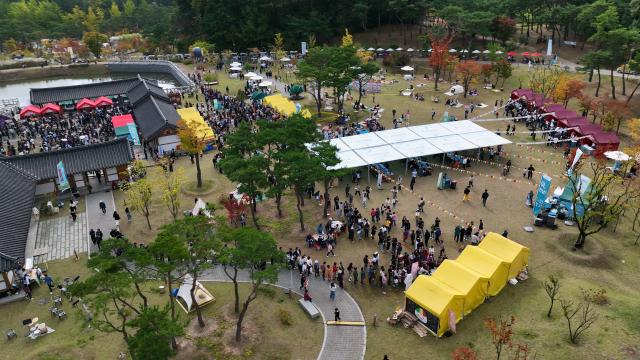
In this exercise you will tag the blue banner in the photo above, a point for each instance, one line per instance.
(63, 183)
(543, 189)
(133, 133)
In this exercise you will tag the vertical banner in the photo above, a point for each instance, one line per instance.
(543, 189)
(303, 47)
(63, 183)
(549, 48)
(576, 158)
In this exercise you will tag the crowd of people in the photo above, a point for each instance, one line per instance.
(58, 131)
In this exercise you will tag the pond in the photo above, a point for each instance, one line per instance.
(20, 89)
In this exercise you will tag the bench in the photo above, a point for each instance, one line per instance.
(309, 308)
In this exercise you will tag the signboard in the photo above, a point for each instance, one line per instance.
(543, 189)
(303, 46)
(549, 47)
(425, 317)
(63, 183)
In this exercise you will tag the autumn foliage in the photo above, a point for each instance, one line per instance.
(468, 70)
(439, 58)
(501, 333)
(568, 88)
(464, 353)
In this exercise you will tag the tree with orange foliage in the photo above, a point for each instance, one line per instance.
(619, 112)
(193, 144)
(439, 55)
(501, 333)
(487, 71)
(468, 70)
(586, 104)
(464, 353)
(568, 88)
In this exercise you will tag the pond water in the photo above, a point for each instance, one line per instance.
(20, 89)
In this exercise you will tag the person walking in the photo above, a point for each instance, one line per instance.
(116, 218)
(103, 207)
(485, 196)
(530, 171)
(98, 238)
(336, 314)
(128, 213)
(332, 291)
(49, 281)
(92, 235)
(471, 180)
(330, 250)
(466, 194)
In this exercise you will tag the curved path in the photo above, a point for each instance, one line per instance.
(340, 342)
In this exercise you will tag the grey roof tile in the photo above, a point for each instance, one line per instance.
(17, 196)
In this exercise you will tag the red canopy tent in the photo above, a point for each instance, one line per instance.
(536, 54)
(518, 93)
(103, 101)
(538, 100)
(85, 104)
(51, 108)
(604, 141)
(588, 129)
(121, 120)
(29, 111)
(512, 53)
(570, 122)
(553, 108)
(526, 53)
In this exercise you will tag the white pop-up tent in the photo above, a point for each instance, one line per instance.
(183, 297)
(413, 141)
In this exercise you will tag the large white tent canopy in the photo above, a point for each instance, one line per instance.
(413, 141)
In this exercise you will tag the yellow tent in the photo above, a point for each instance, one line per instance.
(430, 301)
(493, 269)
(284, 106)
(192, 118)
(473, 286)
(510, 251)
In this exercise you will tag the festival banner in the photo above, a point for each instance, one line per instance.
(543, 189)
(63, 183)
(134, 133)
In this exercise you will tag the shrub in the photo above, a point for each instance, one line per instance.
(596, 296)
(285, 317)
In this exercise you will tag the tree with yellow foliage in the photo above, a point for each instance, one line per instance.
(193, 144)
(568, 87)
(347, 39)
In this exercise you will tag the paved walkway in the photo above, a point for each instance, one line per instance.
(95, 218)
(340, 342)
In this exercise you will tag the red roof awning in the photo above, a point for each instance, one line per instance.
(526, 53)
(103, 101)
(536, 54)
(29, 111)
(121, 120)
(51, 108)
(573, 122)
(85, 104)
(512, 53)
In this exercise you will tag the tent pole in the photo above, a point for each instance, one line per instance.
(368, 175)
(406, 166)
(443, 155)
(479, 149)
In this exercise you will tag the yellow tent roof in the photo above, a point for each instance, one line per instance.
(473, 286)
(493, 268)
(192, 118)
(284, 106)
(508, 250)
(431, 295)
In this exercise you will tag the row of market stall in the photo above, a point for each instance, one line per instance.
(591, 134)
(439, 301)
(51, 108)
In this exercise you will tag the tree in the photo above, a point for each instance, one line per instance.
(634, 65)
(139, 195)
(168, 185)
(193, 143)
(599, 201)
(193, 236)
(503, 28)
(363, 73)
(439, 57)
(551, 287)
(347, 39)
(544, 80)
(327, 154)
(170, 255)
(501, 333)
(245, 163)
(464, 353)
(503, 70)
(568, 88)
(155, 329)
(587, 316)
(619, 112)
(469, 71)
(112, 293)
(94, 41)
(255, 251)
(340, 71)
(596, 60)
(313, 70)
